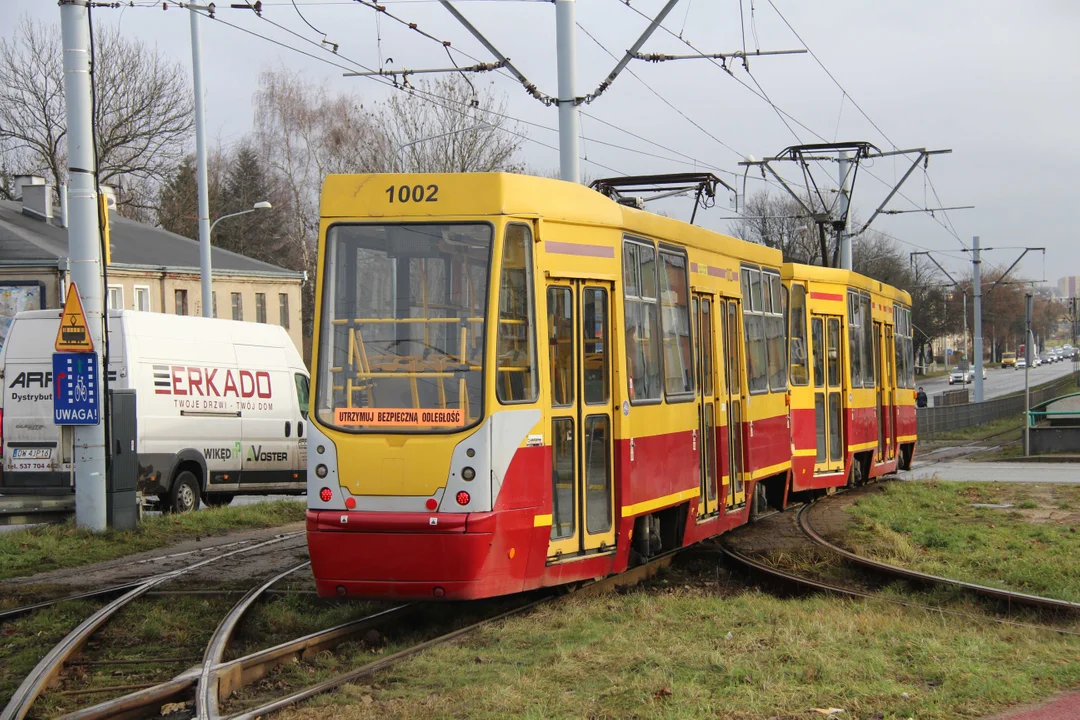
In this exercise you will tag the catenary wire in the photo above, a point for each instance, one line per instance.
(781, 111)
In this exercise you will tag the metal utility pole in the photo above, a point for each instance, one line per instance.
(1029, 306)
(976, 281)
(967, 347)
(566, 40)
(842, 238)
(200, 166)
(84, 245)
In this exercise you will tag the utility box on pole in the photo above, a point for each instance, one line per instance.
(122, 507)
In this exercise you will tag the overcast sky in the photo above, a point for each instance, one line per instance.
(994, 81)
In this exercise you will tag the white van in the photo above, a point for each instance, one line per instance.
(221, 407)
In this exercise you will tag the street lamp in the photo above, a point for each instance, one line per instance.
(205, 271)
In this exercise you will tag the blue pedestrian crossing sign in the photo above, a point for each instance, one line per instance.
(76, 397)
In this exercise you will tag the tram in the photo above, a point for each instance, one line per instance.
(852, 377)
(518, 383)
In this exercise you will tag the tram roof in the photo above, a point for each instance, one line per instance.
(838, 276)
(492, 194)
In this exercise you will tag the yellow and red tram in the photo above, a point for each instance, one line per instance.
(519, 382)
(852, 377)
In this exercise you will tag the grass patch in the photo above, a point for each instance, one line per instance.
(1033, 546)
(53, 547)
(24, 641)
(691, 653)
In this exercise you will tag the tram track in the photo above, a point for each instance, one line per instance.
(16, 612)
(887, 572)
(52, 664)
(1010, 597)
(213, 682)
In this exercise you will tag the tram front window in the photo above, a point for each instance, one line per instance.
(402, 337)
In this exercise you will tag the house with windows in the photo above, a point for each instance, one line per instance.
(151, 270)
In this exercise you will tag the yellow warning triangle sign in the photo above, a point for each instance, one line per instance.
(73, 335)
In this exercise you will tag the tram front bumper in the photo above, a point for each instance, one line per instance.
(407, 556)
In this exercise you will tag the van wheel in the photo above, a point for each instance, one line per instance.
(184, 496)
(218, 499)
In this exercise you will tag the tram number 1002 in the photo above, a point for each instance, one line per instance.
(416, 193)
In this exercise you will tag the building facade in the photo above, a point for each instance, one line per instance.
(151, 269)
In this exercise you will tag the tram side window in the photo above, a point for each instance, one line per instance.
(516, 373)
(800, 374)
(754, 325)
(855, 329)
(868, 362)
(775, 336)
(909, 350)
(642, 321)
(675, 322)
(905, 359)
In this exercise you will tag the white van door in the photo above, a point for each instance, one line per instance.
(302, 389)
(267, 418)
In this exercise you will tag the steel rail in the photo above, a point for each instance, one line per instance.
(50, 666)
(13, 613)
(206, 700)
(236, 673)
(1009, 596)
(632, 576)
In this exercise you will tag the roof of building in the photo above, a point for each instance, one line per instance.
(25, 239)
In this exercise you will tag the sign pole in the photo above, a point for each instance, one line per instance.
(84, 246)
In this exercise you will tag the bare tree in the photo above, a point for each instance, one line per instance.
(143, 109)
(779, 222)
(305, 133)
(449, 127)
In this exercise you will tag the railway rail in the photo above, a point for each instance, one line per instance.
(12, 613)
(53, 663)
(1010, 597)
(217, 679)
(806, 583)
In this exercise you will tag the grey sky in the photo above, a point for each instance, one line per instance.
(993, 80)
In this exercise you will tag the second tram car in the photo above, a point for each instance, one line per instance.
(519, 382)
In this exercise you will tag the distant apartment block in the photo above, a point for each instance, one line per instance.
(1068, 286)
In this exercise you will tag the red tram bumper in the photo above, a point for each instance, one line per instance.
(418, 556)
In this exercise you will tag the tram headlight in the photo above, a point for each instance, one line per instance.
(468, 474)
(321, 471)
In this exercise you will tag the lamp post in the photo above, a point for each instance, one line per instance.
(207, 309)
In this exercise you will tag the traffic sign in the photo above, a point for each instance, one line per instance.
(73, 335)
(76, 395)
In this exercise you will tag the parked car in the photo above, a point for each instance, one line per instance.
(221, 407)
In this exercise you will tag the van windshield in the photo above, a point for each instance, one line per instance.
(402, 336)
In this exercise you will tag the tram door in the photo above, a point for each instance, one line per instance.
(828, 393)
(731, 403)
(888, 394)
(706, 399)
(579, 357)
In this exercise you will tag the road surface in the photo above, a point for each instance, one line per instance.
(998, 381)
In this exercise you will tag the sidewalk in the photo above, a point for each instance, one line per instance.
(1063, 707)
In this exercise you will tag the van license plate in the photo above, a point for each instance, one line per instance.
(31, 453)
